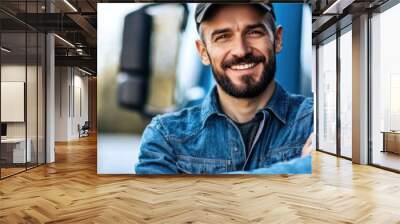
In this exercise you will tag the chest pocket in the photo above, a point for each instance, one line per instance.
(282, 154)
(195, 165)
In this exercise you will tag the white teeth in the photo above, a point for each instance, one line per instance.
(242, 66)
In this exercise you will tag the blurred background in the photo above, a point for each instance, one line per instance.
(147, 64)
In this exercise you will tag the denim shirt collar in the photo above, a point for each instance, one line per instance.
(278, 104)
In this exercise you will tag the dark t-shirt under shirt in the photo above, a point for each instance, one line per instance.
(248, 130)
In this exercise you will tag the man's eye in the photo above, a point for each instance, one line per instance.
(255, 33)
(221, 37)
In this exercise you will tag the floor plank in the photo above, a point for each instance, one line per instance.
(70, 191)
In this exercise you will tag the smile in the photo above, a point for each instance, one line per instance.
(243, 66)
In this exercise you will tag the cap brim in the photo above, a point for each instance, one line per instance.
(201, 15)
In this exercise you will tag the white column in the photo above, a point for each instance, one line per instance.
(50, 92)
(50, 99)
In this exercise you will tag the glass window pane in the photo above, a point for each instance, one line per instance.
(14, 153)
(32, 86)
(385, 84)
(346, 94)
(22, 88)
(327, 96)
(31, 97)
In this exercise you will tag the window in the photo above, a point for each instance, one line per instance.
(22, 77)
(385, 89)
(327, 96)
(346, 93)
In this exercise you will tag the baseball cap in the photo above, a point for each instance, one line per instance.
(203, 8)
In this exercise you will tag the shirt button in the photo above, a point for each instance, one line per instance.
(235, 149)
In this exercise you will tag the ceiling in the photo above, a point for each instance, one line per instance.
(329, 16)
(74, 22)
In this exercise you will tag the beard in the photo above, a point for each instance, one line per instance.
(252, 88)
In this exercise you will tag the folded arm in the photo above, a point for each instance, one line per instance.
(301, 165)
(156, 155)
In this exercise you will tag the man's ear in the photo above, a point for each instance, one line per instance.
(278, 39)
(201, 48)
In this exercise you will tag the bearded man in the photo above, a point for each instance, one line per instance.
(248, 121)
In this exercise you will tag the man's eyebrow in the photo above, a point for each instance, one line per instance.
(248, 27)
(257, 25)
(219, 31)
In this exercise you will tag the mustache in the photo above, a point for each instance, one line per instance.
(247, 59)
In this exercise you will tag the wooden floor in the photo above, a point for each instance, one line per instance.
(70, 191)
(10, 171)
(387, 159)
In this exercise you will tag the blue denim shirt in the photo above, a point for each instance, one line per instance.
(202, 139)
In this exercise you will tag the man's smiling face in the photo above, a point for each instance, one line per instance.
(240, 47)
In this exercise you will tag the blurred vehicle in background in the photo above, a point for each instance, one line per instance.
(192, 80)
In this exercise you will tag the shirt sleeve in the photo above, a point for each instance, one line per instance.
(156, 155)
(302, 165)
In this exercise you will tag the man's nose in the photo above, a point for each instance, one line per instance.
(240, 48)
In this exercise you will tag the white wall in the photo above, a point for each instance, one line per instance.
(12, 100)
(71, 103)
(62, 81)
(16, 73)
(33, 125)
(81, 102)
